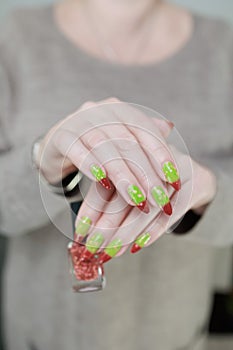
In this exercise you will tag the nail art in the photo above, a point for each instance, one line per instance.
(111, 250)
(162, 199)
(138, 198)
(140, 242)
(171, 175)
(82, 228)
(100, 176)
(92, 245)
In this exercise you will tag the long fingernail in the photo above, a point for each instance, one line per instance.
(172, 175)
(82, 228)
(138, 198)
(162, 199)
(140, 242)
(171, 124)
(111, 250)
(92, 245)
(101, 176)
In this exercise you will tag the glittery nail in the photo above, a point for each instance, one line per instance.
(138, 198)
(111, 250)
(162, 199)
(171, 175)
(92, 245)
(82, 227)
(101, 176)
(140, 242)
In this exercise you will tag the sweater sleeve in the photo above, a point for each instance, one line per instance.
(215, 226)
(21, 206)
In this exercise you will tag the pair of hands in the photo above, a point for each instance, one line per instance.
(127, 154)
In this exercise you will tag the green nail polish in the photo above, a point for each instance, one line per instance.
(113, 247)
(136, 194)
(170, 172)
(159, 196)
(83, 226)
(143, 239)
(98, 173)
(94, 243)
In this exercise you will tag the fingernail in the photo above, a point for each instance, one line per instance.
(171, 124)
(162, 199)
(101, 176)
(140, 242)
(82, 228)
(138, 198)
(92, 245)
(171, 175)
(111, 250)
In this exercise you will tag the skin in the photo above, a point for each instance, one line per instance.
(89, 136)
(117, 221)
(95, 134)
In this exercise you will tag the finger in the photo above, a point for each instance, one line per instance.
(70, 146)
(91, 209)
(160, 155)
(118, 240)
(152, 141)
(140, 166)
(101, 145)
(150, 132)
(164, 126)
(181, 202)
(114, 213)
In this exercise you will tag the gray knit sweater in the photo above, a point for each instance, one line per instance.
(160, 298)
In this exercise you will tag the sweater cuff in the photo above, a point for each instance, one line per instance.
(215, 226)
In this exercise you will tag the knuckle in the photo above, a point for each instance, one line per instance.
(109, 223)
(126, 142)
(144, 178)
(87, 104)
(117, 175)
(94, 138)
(112, 99)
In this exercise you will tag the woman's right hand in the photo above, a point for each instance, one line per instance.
(112, 142)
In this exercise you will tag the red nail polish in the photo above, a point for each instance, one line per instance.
(106, 183)
(167, 208)
(176, 185)
(86, 255)
(171, 124)
(135, 248)
(79, 239)
(143, 206)
(104, 257)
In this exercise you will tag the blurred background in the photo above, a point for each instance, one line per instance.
(221, 320)
(217, 8)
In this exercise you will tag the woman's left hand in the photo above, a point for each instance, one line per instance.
(111, 225)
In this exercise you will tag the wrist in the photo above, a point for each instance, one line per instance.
(208, 191)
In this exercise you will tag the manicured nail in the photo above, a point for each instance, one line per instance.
(82, 228)
(171, 124)
(92, 245)
(140, 242)
(171, 175)
(138, 198)
(101, 176)
(162, 199)
(111, 250)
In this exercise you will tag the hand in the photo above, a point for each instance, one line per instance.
(110, 225)
(112, 142)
